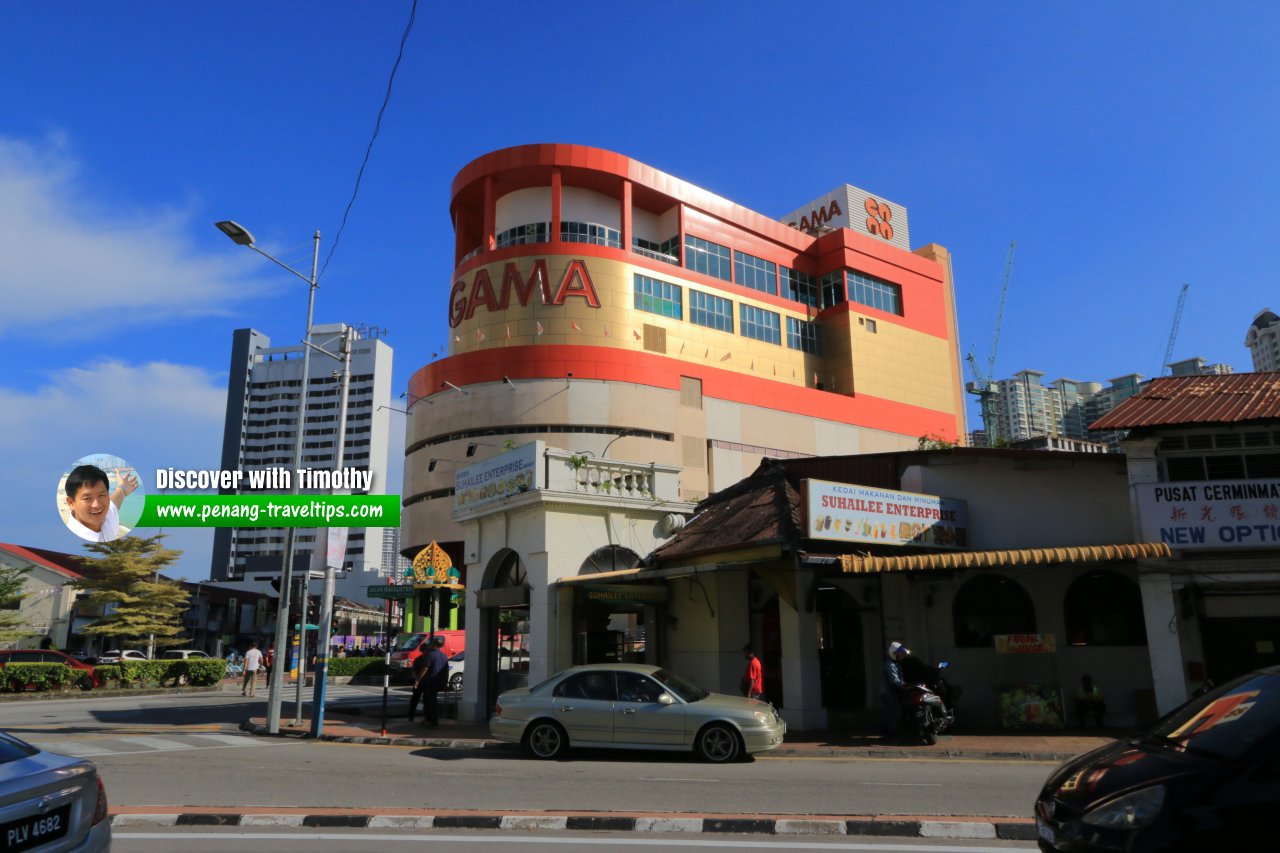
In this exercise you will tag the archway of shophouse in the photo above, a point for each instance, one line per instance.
(502, 659)
(841, 657)
(610, 620)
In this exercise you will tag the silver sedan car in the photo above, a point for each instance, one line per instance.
(50, 803)
(632, 706)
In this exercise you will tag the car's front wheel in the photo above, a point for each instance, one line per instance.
(718, 743)
(84, 682)
(546, 740)
(455, 681)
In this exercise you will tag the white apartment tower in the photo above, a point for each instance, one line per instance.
(1263, 341)
(259, 434)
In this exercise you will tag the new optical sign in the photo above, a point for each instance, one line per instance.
(1211, 514)
(846, 512)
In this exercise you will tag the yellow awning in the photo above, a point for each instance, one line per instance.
(855, 564)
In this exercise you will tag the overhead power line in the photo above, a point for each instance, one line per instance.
(377, 126)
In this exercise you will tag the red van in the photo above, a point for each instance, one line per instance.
(411, 645)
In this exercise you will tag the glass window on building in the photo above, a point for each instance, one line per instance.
(832, 285)
(713, 312)
(755, 273)
(760, 324)
(589, 232)
(874, 293)
(708, 258)
(801, 287)
(658, 297)
(804, 336)
(668, 251)
(534, 232)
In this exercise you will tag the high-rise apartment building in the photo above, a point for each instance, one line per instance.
(259, 434)
(393, 564)
(1263, 341)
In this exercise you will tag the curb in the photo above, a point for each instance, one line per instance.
(103, 693)
(785, 752)
(1013, 829)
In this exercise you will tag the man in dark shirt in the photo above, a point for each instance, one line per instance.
(435, 674)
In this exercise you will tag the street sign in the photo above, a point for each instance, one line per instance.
(398, 592)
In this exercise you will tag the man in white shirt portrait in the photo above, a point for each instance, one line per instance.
(94, 509)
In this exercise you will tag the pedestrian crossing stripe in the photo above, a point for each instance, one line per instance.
(130, 745)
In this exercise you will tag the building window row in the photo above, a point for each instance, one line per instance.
(755, 273)
(874, 293)
(711, 311)
(708, 258)
(801, 287)
(534, 232)
(668, 251)
(759, 324)
(590, 232)
(658, 297)
(804, 336)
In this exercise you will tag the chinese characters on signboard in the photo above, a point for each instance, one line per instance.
(1221, 514)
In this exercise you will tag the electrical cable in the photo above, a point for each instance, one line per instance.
(377, 127)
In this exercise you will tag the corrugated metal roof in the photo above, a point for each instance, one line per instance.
(1175, 400)
(855, 564)
(56, 560)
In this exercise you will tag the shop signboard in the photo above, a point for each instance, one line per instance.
(1215, 514)
(626, 593)
(847, 512)
(1025, 644)
(496, 478)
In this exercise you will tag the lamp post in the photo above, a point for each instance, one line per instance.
(275, 686)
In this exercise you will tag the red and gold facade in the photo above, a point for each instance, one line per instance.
(599, 304)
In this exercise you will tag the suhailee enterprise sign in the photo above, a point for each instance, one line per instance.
(846, 512)
(1210, 515)
(499, 477)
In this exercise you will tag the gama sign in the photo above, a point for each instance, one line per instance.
(483, 292)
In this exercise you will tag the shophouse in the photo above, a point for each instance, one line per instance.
(1204, 472)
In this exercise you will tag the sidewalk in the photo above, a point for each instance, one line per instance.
(455, 734)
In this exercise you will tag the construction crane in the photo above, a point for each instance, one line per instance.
(1173, 331)
(983, 384)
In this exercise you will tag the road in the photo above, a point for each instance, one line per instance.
(283, 841)
(186, 751)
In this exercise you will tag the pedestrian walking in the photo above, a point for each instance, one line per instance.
(752, 685)
(252, 663)
(430, 674)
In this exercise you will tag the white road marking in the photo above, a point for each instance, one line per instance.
(233, 740)
(156, 743)
(905, 784)
(506, 839)
(675, 779)
(79, 750)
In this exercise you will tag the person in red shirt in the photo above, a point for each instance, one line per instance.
(753, 678)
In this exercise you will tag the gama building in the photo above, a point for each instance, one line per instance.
(606, 307)
(629, 343)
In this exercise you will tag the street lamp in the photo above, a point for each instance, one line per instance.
(239, 235)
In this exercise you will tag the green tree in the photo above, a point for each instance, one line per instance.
(13, 583)
(125, 574)
(934, 442)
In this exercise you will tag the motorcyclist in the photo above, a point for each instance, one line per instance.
(894, 686)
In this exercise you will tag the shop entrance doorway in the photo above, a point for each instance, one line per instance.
(610, 620)
(502, 657)
(841, 655)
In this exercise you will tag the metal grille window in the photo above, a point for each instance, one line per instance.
(760, 324)
(804, 336)
(710, 311)
(801, 287)
(832, 285)
(658, 297)
(590, 232)
(534, 232)
(874, 293)
(708, 258)
(755, 273)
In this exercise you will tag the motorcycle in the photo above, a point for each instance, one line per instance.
(928, 702)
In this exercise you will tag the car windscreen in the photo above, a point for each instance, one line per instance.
(685, 689)
(456, 658)
(410, 642)
(1226, 723)
(12, 750)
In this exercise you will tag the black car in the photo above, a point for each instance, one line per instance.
(1205, 777)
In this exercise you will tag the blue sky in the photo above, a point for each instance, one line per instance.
(1127, 147)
